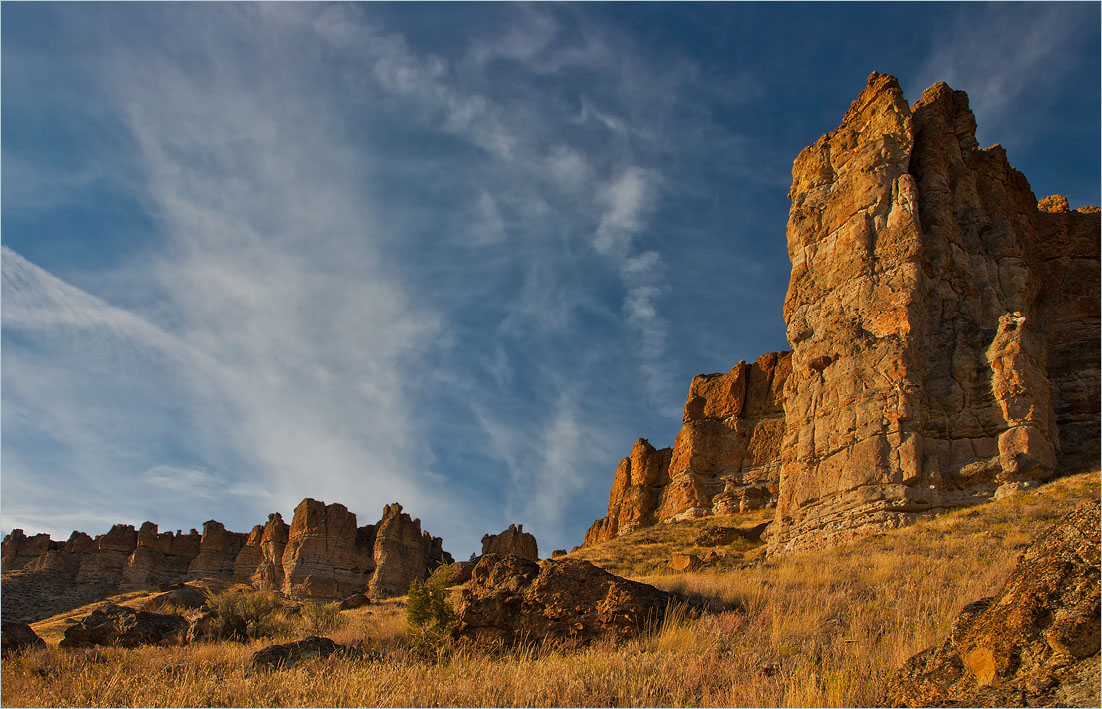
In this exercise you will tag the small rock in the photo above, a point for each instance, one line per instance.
(288, 655)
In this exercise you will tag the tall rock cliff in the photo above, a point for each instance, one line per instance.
(944, 329)
(945, 336)
(725, 458)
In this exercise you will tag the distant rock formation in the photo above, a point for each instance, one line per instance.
(1035, 643)
(945, 329)
(726, 457)
(322, 554)
(514, 541)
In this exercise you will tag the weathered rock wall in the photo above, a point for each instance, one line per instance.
(402, 553)
(944, 329)
(725, 458)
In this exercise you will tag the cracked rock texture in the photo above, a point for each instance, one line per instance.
(1035, 643)
(726, 458)
(944, 326)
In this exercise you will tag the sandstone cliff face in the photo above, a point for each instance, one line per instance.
(513, 541)
(260, 561)
(725, 458)
(944, 329)
(159, 558)
(218, 549)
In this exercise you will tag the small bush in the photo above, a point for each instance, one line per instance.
(248, 614)
(321, 618)
(429, 615)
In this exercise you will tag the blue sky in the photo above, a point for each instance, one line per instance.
(454, 255)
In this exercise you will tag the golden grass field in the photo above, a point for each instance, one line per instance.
(823, 628)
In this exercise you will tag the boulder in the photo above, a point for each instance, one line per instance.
(685, 562)
(125, 627)
(513, 541)
(16, 637)
(558, 553)
(287, 655)
(458, 572)
(512, 599)
(716, 536)
(356, 600)
(1035, 643)
(184, 598)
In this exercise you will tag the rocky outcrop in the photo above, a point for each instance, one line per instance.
(402, 553)
(16, 637)
(119, 626)
(260, 561)
(513, 541)
(944, 330)
(323, 554)
(326, 555)
(159, 558)
(511, 599)
(726, 458)
(111, 552)
(218, 550)
(1035, 643)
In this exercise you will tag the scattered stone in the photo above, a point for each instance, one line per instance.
(1035, 643)
(125, 627)
(356, 600)
(685, 562)
(16, 637)
(287, 655)
(716, 536)
(511, 599)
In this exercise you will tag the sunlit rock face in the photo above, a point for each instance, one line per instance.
(726, 458)
(944, 329)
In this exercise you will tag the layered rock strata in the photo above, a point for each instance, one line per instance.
(322, 554)
(726, 458)
(944, 329)
(513, 541)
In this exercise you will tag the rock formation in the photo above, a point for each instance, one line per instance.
(511, 599)
(726, 457)
(944, 330)
(322, 554)
(1035, 643)
(513, 540)
(403, 553)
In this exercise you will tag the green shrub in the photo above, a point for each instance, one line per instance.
(248, 614)
(429, 615)
(321, 618)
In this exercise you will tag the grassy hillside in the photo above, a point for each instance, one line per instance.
(814, 629)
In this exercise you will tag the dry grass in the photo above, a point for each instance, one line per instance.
(815, 629)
